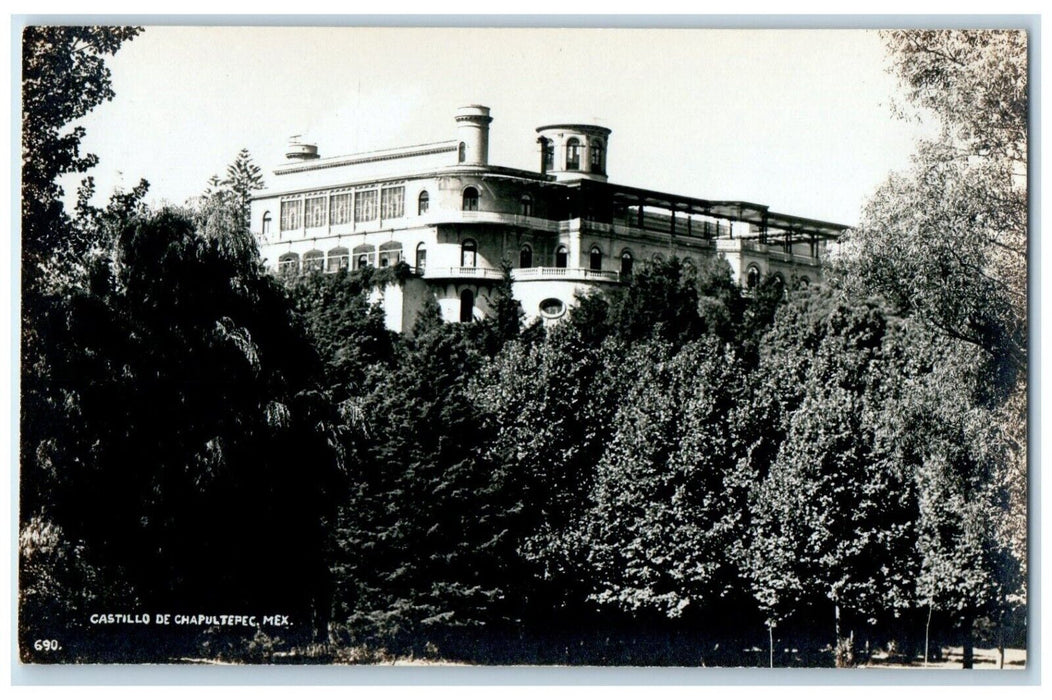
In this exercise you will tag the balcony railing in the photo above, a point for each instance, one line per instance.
(457, 216)
(479, 273)
(524, 274)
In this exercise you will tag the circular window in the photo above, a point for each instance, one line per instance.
(552, 308)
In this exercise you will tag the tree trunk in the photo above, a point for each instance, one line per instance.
(844, 651)
(770, 643)
(927, 632)
(968, 650)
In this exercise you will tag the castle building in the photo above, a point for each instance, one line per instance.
(454, 218)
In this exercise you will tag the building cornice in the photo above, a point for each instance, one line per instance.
(482, 172)
(425, 149)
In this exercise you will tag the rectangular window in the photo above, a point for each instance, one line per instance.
(291, 215)
(392, 203)
(365, 205)
(340, 208)
(315, 212)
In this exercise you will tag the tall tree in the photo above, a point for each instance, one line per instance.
(548, 407)
(189, 454)
(64, 76)
(832, 527)
(948, 239)
(243, 178)
(427, 541)
(223, 210)
(659, 534)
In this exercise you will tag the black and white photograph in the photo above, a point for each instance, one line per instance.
(591, 346)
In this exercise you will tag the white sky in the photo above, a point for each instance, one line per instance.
(799, 120)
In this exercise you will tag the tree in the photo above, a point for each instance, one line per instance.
(243, 177)
(660, 301)
(969, 576)
(346, 330)
(659, 533)
(64, 76)
(548, 409)
(427, 541)
(223, 210)
(948, 240)
(832, 522)
(189, 454)
(975, 81)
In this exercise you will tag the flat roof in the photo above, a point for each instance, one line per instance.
(757, 214)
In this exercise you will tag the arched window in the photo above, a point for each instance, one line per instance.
(363, 256)
(526, 256)
(339, 259)
(462, 153)
(422, 202)
(266, 223)
(526, 205)
(421, 258)
(288, 264)
(467, 306)
(471, 199)
(573, 154)
(313, 261)
(595, 258)
(560, 256)
(469, 253)
(752, 277)
(626, 264)
(597, 156)
(390, 253)
(805, 282)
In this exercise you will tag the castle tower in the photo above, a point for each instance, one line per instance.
(473, 134)
(574, 151)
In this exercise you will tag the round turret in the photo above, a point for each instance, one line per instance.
(574, 151)
(473, 134)
(297, 150)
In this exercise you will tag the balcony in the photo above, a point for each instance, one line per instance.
(569, 274)
(475, 273)
(773, 252)
(457, 216)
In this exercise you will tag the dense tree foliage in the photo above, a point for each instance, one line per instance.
(833, 520)
(64, 76)
(188, 442)
(946, 244)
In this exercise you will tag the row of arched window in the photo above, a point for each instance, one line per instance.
(562, 255)
(574, 147)
(341, 258)
(469, 201)
(390, 253)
